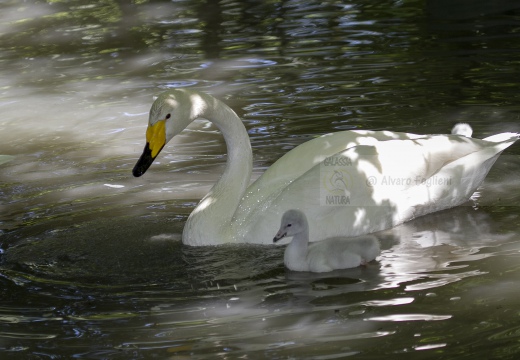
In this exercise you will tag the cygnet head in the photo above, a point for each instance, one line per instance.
(293, 223)
(462, 129)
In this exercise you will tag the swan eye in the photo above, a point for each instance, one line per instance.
(168, 116)
(289, 225)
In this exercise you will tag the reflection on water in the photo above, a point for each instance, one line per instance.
(91, 260)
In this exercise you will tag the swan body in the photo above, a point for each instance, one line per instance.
(349, 183)
(325, 255)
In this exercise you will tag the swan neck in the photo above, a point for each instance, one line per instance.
(212, 217)
(299, 245)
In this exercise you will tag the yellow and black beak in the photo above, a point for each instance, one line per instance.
(155, 141)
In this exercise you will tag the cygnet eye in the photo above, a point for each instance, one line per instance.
(289, 225)
(168, 116)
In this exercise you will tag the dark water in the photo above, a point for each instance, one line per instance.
(91, 260)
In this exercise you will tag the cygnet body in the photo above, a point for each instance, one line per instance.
(324, 255)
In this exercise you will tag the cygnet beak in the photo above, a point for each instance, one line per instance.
(279, 235)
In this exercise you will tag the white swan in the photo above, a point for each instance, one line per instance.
(390, 177)
(325, 255)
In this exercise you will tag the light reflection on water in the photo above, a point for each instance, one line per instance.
(91, 261)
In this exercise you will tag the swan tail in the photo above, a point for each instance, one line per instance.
(502, 141)
(462, 129)
(504, 137)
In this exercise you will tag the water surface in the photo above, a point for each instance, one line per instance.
(91, 260)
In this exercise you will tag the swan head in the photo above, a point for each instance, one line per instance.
(293, 222)
(170, 113)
